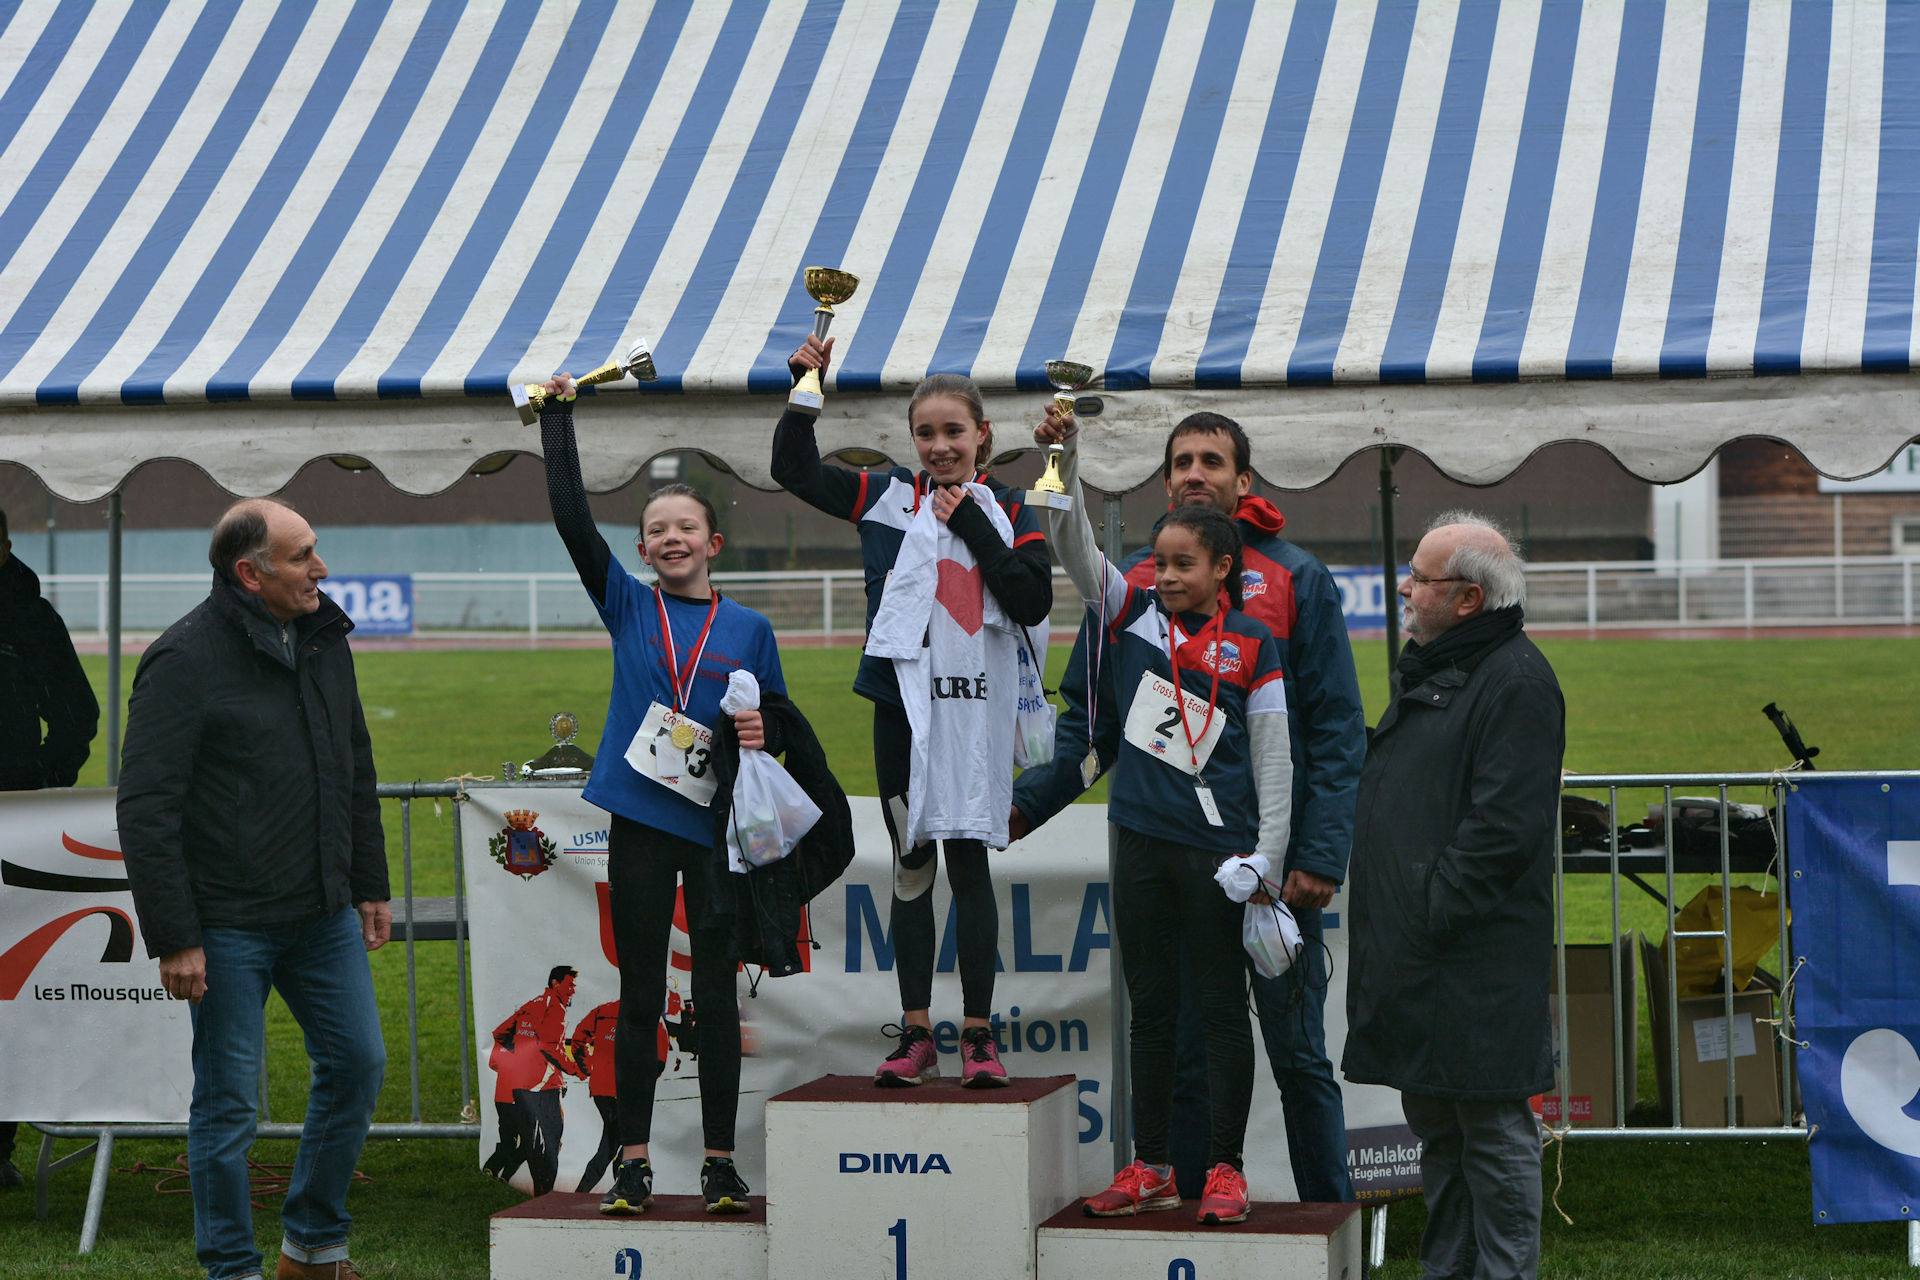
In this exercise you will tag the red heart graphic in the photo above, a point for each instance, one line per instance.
(959, 590)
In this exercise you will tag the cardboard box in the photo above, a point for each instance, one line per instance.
(1593, 992)
(1703, 1053)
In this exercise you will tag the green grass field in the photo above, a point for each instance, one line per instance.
(1708, 1210)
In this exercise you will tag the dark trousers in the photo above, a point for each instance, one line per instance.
(510, 1148)
(543, 1121)
(8, 1131)
(976, 913)
(1480, 1175)
(1164, 898)
(609, 1142)
(1292, 1011)
(643, 866)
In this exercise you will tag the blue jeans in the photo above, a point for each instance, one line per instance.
(320, 969)
(1293, 1027)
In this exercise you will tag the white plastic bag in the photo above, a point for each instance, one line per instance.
(1271, 936)
(1033, 714)
(1267, 929)
(770, 812)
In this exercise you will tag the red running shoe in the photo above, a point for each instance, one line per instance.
(913, 1060)
(1135, 1189)
(980, 1060)
(1225, 1199)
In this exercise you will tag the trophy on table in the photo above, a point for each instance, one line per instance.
(1067, 378)
(562, 759)
(828, 286)
(532, 397)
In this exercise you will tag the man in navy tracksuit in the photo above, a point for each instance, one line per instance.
(1208, 460)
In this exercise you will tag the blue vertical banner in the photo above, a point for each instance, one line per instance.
(1854, 846)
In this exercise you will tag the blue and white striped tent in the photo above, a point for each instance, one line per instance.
(251, 233)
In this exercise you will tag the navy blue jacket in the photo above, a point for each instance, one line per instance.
(1291, 592)
(880, 504)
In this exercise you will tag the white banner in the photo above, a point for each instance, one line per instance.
(88, 1032)
(1051, 999)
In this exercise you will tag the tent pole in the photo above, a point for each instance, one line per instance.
(1120, 1100)
(113, 638)
(1389, 562)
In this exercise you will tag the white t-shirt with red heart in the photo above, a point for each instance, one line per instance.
(956, 654)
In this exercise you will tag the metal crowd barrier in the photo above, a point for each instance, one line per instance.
(419, 920)
(1780, 787)
(415, 920)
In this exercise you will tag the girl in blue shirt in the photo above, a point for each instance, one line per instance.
(674, 644)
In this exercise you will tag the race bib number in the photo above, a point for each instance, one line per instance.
(1153, 724)
(653, 755)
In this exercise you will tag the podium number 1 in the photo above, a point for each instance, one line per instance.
(899, 1233)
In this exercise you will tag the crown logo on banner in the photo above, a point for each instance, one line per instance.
(522, 848)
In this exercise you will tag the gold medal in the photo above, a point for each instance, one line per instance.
(682, 735)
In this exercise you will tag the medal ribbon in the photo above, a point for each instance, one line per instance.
(682, 679)
(923, 484)
(1217, 625)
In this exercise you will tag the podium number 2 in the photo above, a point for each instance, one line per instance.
(1182, 1269)
(627, 1263)
(899, 1233)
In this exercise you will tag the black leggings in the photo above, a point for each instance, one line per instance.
(976, 914)
(642, 867)
(1164, 896)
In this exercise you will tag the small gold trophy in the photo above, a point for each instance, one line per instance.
(562, 759)
(532, 397)
(1049, 490)
(828, 286)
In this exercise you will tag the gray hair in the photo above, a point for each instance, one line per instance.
(1499, 571)
(241, 534)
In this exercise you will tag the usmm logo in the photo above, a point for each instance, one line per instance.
(892, 1162)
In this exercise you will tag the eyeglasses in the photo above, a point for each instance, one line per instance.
(1421, 579)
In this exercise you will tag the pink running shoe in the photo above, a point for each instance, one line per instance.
(1225, 1199)
(1135, 1189)
(913, 1060)
(980, 1060)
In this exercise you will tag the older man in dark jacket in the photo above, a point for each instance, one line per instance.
(253, 843)
(1451, 898)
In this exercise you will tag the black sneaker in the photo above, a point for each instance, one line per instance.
(722, 1186)
(632, 1188)
(9, 1176)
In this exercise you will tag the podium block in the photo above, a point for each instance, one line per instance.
(1276, 1242)
(562, 1234)
(937, 1180)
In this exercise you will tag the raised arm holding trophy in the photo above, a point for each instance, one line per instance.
(529, 399)
(1067, 378)
(828, 286)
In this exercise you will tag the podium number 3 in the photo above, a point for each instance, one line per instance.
(627, 1263)
(899, 1233)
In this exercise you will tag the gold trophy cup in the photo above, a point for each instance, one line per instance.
(1067, 377)
(532, 397)
(828, 286)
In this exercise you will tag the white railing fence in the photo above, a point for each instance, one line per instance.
(1619, 595)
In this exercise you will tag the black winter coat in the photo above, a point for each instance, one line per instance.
(247, 782)
(1450, 896)
(40, 679)
(765, 905)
